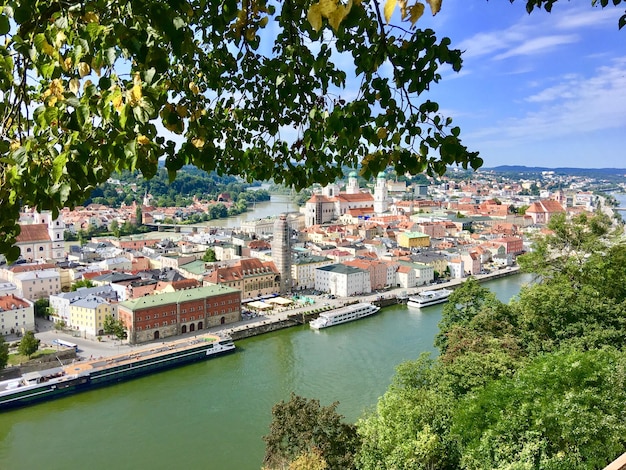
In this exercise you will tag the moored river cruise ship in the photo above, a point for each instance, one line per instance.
(47, 384)
(343, 315)
(429, 297)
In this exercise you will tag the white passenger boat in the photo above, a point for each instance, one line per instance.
(429, 297)
(343, 315)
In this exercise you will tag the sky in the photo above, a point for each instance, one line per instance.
(545, 89)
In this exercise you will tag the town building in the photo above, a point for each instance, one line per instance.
(413, 240)
(253, 277)
(41, 236)
(17, 315)
(342, 280)
(87, 315)
(542, 211)
(381, 275)
(281, 252)
(60, 303)
(304, 267)
(405, 276)
(332, 204)
(35, 285)
(170, 314)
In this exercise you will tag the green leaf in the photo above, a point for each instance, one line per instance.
(47, 69)
(104, 83)
(82, 114)
(126, 109)
(58, 165)
(5, 27)
(110, 55)
(51, 114)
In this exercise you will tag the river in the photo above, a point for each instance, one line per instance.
(213, 414)
(277, 204)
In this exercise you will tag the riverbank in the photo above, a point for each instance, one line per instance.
(262, 324)
(301, 315)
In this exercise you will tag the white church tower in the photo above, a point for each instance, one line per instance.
(381, 201)
(353, 184)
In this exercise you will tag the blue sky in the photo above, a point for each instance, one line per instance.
(545, 89)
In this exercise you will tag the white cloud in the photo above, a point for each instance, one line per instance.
(538, 45)
(575, 106)
(580, 18)
(534, 34)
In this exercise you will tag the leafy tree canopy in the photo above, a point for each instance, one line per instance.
(28, 344)
(4, 353)
(209, 255)
(246, 87)
(304, 431)
(564, 410)
(112, 326)
(81, 283)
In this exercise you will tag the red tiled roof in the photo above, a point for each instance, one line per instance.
(359, 197)
(33, 233)
(8, 301)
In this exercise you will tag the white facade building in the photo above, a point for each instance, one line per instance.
(424, 274)
(342, 280)
(16, 315)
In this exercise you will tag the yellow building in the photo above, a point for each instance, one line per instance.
(413, 240)
(88, 314)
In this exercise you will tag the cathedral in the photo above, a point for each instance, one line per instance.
(41, 236)
(332, 204)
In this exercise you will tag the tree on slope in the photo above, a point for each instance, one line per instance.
(564, 410)
(302, 430)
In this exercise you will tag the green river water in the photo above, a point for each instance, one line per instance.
(213, 414)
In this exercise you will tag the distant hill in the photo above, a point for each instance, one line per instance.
(592, 172)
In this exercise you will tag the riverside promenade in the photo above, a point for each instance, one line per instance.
(284, 317)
